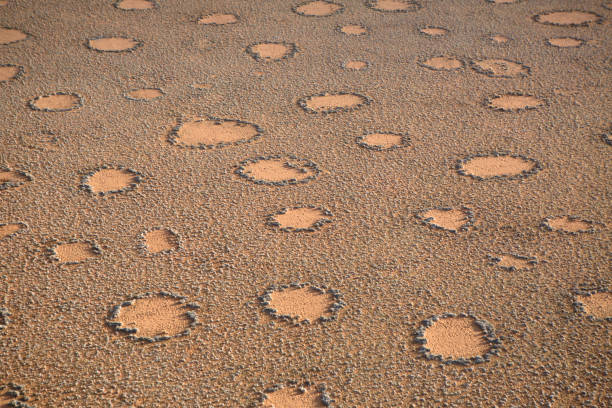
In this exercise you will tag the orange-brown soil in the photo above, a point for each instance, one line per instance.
(598, 305)
(302, 303)
(456, 337)
(290, 397)
(74, 252)
(161, 240)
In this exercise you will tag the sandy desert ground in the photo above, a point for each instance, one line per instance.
(277, 203)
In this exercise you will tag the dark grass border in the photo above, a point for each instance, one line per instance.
(582, 42)
(365, 100)
(491, 74)
(132, 186)
(240, 170)
(488, 102)
(537, 18)
(495, 260)
(132, 334)
(367, 66)
(77, 105)
(22, 226)
(486, 327)
(138, 44)
(173, 135)
(524, 174)
(423, 63)
(292, 50)
(545, 224)
(338, 11)
(265, 299)
(12, 184)
(271, 219)
(405, 141)
(324, 398)
(19, 74)
(428, 221)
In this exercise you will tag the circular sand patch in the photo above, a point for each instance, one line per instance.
(353, 29)
(271, 51)
(433, 31)
(442, 63)
(11, 35)
(330, 103)
(499, 39)
(318, 8)
(213, 133)
(355, 65)
(161, 240)
(304, 396)
(597, 304)
(113, 44)
(135, 5)
(74, 252)
(565, 42)
(8, 230)
(13, 395)
(154, 317)
(300, 219)
(107, 180)
(458, 339)
(144, 94)
(570, 18)
(393, 6)
(449, 219)
(278, 170)
(218, 19)
(12, 178)
(513, 102)
(568, 224)
(503, 1)
(500, 68)
(505, 166)
(512, 262)
(4, 321)
(301, 303)
(383, 141)
(57, 102)
(9, 72)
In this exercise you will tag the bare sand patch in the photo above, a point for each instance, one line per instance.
(144, 94)
(442, 63)
(9, 72)
(160, 240)
(218, 19)
(271, 51)
(499, 39)
(512, 262)
(293, 397)
(135, 4)
(301, 303)
(113, 44)
(381, 141)
(278, 170)
(154, 317)
(565, 42)
(503, 1)
(74, 252)
(513, 102)
(107, 180)
(497, 166)
(318, 8)
(356, 65)
(353, 29)
(568, 224)
(11, 35)
(12, 178)
(597, 305)
(213, 133)
(449, 219)
(572, 18)
(300, 219)
(457, 339)
(500, 68)
(393, 6)
(434, 31)
(333, 102)
(57, 102)
(10, 229)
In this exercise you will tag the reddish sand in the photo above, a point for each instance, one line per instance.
(9, 229)
(598, 305)
(113, 44)
(218, 19)
(289, 397)
(11, 35)
(513, 102)
(318, 8)
(74, 252)
(356, 65)
(301, 304)
(497, 166)
(565, 42)
(434, 31)
(574, 17)
(569, 224)
(451, 220)
(443, 63)
(300, 218)
(160, 240)
(155, 316)
(456, 337)
(135, 4)
(8, 72)
(110, 180)
(353, 29)
(513, 262)
(213, 132)
(56, 102)
(145, 94)
(329, 102)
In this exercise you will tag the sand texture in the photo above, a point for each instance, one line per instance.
(305, 203)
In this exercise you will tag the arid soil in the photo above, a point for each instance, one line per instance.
(298, 204)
